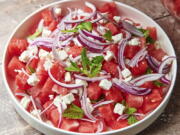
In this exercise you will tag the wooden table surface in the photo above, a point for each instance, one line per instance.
(13, 11)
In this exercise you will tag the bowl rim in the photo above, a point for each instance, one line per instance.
(74, 133)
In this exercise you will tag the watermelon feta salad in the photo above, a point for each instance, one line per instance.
(90, 70)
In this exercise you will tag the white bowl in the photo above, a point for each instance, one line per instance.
(22, 30)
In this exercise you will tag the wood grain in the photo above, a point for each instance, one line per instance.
(13, 11)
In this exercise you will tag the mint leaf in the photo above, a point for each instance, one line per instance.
(85, 59)
(108, 35)
(131, 110)
(73, 68)
(147, 36)
(150, 40)
(97, 59)
(73, 112)
(132, 120)
(36, 34)
(149, 71)
(82, 26)
(95, 69)
(32, 70)
(158, 83)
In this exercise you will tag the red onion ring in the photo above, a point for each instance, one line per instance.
(49, 106)
(88, 4)
(60, 110)
(94, 79)
(63, 84)
(141, 54)
(130, 89)
(88, 120)
(89, 34)
(165, 80)
(121, 49)
(165, 62)
(84, 35)
(100, 127)
(102, 103)
(123, 117)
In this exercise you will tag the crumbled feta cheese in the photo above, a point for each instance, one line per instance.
(68, 99)
(24, 57)
(79, 81)
(47, 64)
(33, 80)
(68, 63)
(127, 61)
(43, 53)
(46, 32)
(117, 18)
(67, 77)
(57, 11)
(109, 55)
(134, 42)
(126, 73)
(62, 55)
(128, 79)
(57, 101)
(80, 92)
(118, 37)
(74, 91)
(51, 97)
(25, 101)
(105, 84)
(35, 113)
(119, 109)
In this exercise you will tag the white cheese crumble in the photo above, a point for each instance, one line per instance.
(74, 91)
(57, 101)
(51, 97)
(57, 11)
(43, 54)
(46, 32)
(126, 73)
(25, 101)
(119, 109)
(67, 77)
(33, 79)
(62, 54)
(128, 79)
(47, 64)
(109, 55)
(68, 99)
(105, 84)
(118, 37)
(79, 81)
(35, 113)
(117, 18)
(134, 42)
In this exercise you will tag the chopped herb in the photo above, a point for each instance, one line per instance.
(147, 36)
(158, 83)
(149, 71)
(123, 102)
(130, 110)
(108, 35)
(36, 34)
(90, 68)
(73, 112)
(132, 120)
(82, 26)
(32, 70)
(95, 101)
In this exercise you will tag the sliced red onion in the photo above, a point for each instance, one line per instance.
(130, 88)
(35, 108)
(47, 108)
(165, 80)
(42, 41)
(60, 110)
(128, 35)
(165, 62)
(21, 94)
(84, 35)
(88, 4)
(141, 54)
(121, 49)
(102, 103)
(145, 78)
(97, 19)
(120, 75)
(89, 34)
(123, 117)
(100, 127)
(63, 84)
(84, 106)
(132, 29)
(138, 114)
(89, 45)
(88, 120)
(94, 79)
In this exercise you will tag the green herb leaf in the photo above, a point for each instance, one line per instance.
(132, 120)
(36, 34)
(158, 83)
(82, 26)
(98, 59)
(131, 110)
(85, 59)
(108, 35)
(150, 40)
(32, 70)
(147, 36)
(73, 68)
(149, 71)
(73, 112)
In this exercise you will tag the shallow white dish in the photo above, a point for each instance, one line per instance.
(22, 31)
